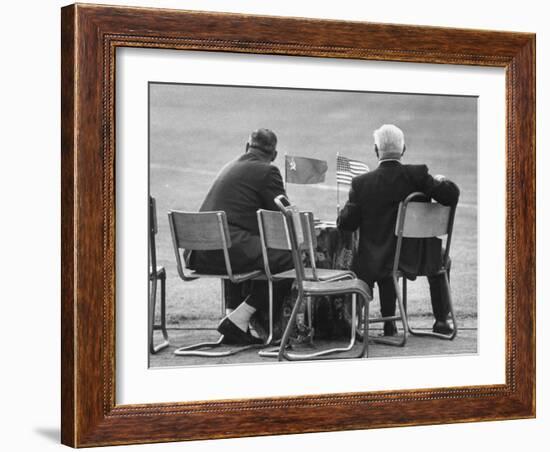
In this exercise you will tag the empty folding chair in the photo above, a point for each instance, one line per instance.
(205, 231)
(274, 236)
(156, 273)
(314, 289)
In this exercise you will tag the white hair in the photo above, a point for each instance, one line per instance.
(389, 138)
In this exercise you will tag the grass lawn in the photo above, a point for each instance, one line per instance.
(195, 130)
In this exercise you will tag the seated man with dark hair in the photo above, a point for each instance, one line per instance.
(372, 207)
(242, 187)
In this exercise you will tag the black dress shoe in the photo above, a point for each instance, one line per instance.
(233, 335)
(442, 327)
(390, 329)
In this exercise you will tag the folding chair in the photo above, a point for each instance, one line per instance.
(307, 288)
(420, 220)
(156, 274)
(205, 231)
(274, 236)
(425, 220)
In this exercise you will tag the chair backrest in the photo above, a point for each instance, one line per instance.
(296, 236)
(274, 234)
(274, 230)
(199, 231)
(423, 220)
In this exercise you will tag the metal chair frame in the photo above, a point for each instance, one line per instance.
(224, 241)
(279, 239)
(156, 274)
(314, 289)
(401, 233)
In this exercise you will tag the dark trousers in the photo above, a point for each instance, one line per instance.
(438, 295)
(258, 294)
(258, 291)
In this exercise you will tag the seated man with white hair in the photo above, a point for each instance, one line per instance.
(372, 207)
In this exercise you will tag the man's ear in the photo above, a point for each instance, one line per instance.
(404, 149)
(376, 151)
(274, 156)
(247, 147)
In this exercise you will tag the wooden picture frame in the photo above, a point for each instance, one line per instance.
(90, 35)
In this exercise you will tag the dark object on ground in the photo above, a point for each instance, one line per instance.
(442, 327)
(390, 329)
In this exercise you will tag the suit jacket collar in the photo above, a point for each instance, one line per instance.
(250, 156)
(389, 164)
(247, 156)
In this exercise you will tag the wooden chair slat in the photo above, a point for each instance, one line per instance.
(275, 231)
(199, 230)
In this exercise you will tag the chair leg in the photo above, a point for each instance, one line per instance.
(404, 292)
(270, 314)
(451, 306)
(309, 309)
(284, 354)
(401, 300)
(162, 326)
(197, 349)
(151, 316)
(151, 312)
(222, 300)
(449, 336)
(366, 329)
(288, 329)
(273, 352)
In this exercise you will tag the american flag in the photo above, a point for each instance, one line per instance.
(347, 169)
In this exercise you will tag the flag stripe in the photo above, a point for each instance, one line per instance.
(347, 169)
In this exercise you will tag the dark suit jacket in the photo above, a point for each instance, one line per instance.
(241, 188)
(372, 207)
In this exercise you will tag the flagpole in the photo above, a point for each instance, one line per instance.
(285, 174)
(337, 188)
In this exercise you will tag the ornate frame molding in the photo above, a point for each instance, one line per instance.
(90, 37)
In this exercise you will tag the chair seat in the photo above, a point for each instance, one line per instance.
(236, 276)
(337, 287)
(324, 274)
(442, 270)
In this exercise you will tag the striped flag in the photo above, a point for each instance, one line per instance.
(347, 169)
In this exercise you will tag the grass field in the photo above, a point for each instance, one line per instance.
(195, 130)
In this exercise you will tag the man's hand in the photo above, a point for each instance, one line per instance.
(439, 177)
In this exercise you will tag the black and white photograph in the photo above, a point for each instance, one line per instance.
(294, 224)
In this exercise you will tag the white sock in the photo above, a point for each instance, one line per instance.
(241, 315)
